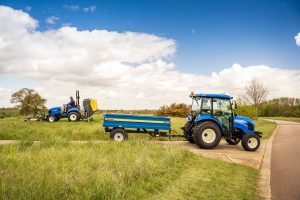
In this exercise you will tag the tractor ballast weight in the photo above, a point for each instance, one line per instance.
(90, 106)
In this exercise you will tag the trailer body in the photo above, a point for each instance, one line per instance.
(124, 123)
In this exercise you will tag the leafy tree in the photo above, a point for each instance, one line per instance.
(174, 110)
(256, 93)
(28, 101)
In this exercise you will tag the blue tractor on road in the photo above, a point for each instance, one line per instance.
(213, 117)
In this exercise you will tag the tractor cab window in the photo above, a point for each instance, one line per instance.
(206, 106)
(222, 111)
(196, 103)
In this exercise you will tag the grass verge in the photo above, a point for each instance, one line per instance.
(130, 170)
(291, 119)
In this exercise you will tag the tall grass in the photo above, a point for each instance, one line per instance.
(130, 170)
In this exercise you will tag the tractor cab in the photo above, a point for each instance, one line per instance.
(213, 117)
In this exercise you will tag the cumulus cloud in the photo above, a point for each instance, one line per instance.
(28, 8)
(72, 7)
(89, 9)
(297, 38)
(52, 20)
(121, 70)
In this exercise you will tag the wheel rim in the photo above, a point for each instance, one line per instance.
(252, 143)
(51, 119)
(209, 135)
(119, 137)
(73, 117)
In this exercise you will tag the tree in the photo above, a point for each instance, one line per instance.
(256, 93)
(174, 110)
(28, 101)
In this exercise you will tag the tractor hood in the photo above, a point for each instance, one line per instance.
(244, 123)
(54, 110)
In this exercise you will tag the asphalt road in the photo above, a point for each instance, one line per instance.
(285, 162)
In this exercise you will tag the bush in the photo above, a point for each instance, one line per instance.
(174, 110)
(247, 111)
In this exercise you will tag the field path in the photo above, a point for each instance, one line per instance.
(226, 152)
(285, 163)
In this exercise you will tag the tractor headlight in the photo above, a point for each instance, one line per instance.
(250, 126)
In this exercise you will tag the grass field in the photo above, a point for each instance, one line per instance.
(130, 170)
(57, 169)
(291, 119)
(17, 129)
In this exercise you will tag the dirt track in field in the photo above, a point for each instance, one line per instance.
(226, 152)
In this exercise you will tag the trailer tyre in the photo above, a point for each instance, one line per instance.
(207, 135)
(118, 135)
(187, 131)
(250, 142)
(73, 117)
(233, 141)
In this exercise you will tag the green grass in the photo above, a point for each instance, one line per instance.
(129, 170)
(17, 129)
(266, 127)
(291, 119)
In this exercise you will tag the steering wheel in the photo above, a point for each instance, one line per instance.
(219, 113)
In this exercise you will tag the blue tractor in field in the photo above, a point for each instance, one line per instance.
(213, 117)
(74, 113)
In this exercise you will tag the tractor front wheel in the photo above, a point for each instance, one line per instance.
(250, 142)
(73, 117)
(207, 135)
(51, 119)
(233, 141)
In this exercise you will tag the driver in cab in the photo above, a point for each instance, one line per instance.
(69, 105)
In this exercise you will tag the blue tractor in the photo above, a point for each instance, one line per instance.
(72, 113)
(213, 117)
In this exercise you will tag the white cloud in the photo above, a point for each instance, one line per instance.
(89, 9)
(121, 70)
(72, 7)
(297, 38)
(52, 20)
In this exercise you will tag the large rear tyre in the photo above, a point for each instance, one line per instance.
(187, 131)
(207, 135)
(118, 135)
(250, 142)
(73, 117)
(233, 141)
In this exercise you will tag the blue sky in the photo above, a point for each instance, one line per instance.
(150, 53)
(210, 35)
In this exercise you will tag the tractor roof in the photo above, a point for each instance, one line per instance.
(222, 96)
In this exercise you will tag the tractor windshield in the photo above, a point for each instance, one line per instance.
(196, 104)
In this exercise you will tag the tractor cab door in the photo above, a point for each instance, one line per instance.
(222, 112)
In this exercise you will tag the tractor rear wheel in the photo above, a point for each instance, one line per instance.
(207, 135)
(187, 131)
(233, 141)
(73, 117)
(118, 135)
(250, 142)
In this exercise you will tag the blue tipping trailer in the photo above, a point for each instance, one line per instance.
(120, 124)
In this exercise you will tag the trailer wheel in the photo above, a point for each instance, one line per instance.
(118, 135)
(73, 117)
(233, 141)
(207, 135)
(250, 142)
(187, 131)
(51, 119)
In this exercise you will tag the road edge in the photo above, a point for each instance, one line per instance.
(265, 168)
